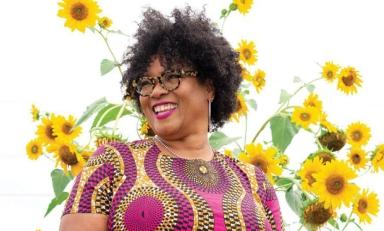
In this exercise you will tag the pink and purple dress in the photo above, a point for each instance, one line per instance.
(141, 188)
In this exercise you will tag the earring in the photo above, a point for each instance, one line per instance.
(210, 126)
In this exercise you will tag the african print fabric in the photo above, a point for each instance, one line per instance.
(141, 188)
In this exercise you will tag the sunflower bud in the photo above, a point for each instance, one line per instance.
(343, 217)
(334, 141)
(325, 155)
(233, 7)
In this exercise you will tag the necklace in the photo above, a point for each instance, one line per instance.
(171, 151)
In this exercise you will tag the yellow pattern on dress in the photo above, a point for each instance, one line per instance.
(86, 173)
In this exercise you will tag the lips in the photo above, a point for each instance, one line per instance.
(164, 109)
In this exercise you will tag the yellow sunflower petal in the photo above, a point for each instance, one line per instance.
(248, 53)
(79, 14)
(243, 5)
(348, 80)
(365, 205)
(358, 134)
(34, 149)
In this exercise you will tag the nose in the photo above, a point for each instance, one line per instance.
(158, 90)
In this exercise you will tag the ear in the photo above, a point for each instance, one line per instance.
(210, 89)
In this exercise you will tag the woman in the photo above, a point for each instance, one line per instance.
(183, 75)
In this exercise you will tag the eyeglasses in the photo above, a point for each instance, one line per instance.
(169, 80)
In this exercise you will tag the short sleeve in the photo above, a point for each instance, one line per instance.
(269, 199)
(93, 188)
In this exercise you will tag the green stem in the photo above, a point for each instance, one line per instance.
(348, 221)
(118, 116)
(110, 50)
(283, 107)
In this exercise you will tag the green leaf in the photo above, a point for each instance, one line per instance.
(297, 79)
(253, 104)
(282, 131)
(56, 201)
(108, 113)
(285, 183)
(334, 223)
(219, 139)
(59, 181)
(91, 109)
(284, 96)
(310, 87)
(106, 66)
(294, 200)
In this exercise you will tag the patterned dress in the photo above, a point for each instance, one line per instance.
(141, 188)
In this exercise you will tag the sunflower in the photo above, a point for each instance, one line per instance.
(334, 141)
(365, 205)
(35, 113)
(357, 157)
(79, 14)
(326, 124)
(243, 5)
(245, 73)
(86, 154)
(329, 72)
(145, 129)
(378, 158)
(67, 156)
(358, 134)
(313, 101)
(348, 80)
(315, 215)
(258, 80)
(283, 160)
(65, 129)
(248, 53)
(263, 159)
(228, 152)
(242, 108)
(105, 22)
(310, 167)
(325, 155)
(305, 116)
(332, 184)
(45, 130)
(34, 149)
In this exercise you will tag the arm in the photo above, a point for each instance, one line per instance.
(83, 222)
(87, 207)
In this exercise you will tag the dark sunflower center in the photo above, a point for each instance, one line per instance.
(49, 132)
(247, 53)
(305, 116)
(348, 80)
(79, 11)
(261, 164)
(362, 206)
(35, 149)
(335, 184)
(316, 214)
(356, 159)
(66, 128)
(356, 135)
(67, 156)
(330, 74)
(242, 1)
(310, 178)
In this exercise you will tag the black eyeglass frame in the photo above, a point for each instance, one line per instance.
(159, 79)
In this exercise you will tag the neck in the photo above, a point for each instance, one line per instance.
(189, 147)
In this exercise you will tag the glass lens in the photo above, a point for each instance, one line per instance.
(145, 86)
(171, 81)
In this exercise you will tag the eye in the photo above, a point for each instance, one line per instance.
(144, 82)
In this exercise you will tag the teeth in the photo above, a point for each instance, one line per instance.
(164, 107)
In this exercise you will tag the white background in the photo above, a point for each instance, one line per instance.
(44, 63)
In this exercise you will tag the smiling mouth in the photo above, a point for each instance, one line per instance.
(164, 108)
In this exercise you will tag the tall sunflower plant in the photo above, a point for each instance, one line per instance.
(322, 191)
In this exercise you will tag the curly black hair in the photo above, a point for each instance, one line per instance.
(190, 39)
